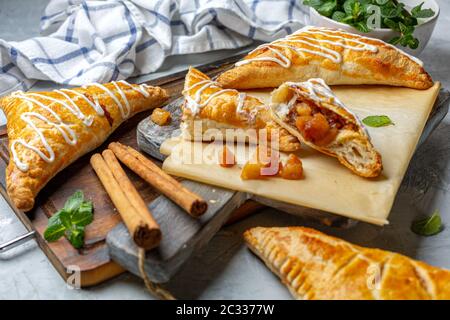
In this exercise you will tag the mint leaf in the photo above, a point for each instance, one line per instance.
(362, 26)
(54, 218)
(377, 121)
(338, 16)
(418, 12)
(428, 226)
(348, 7)
(54, 232)
(57, 224)
(410, 21)
(83, 216)
(65, 218)
(403, 28)
(313, 3)
(395, 40)
(75, 235)
(327, 8)
(60, 217)
(74, 201)
(390, 11)
(356, 9)
(391, 24)
(413, 43)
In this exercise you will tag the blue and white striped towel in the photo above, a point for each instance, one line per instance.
(87, 41)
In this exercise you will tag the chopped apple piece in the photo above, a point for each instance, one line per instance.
(161, 117)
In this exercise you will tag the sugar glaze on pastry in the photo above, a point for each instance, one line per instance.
(313, 113)
(337, 56)
(47, 131)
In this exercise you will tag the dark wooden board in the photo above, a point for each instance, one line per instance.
(93, 260)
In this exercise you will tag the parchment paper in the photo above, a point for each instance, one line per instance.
(328, 185)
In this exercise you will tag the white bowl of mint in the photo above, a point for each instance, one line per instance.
(407, 24)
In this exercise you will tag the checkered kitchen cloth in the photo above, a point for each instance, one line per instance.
(87, 41)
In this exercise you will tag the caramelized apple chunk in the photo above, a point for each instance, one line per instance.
(303, 109)
(317, 128)
(161, 117)
(293, 169)
(261, 165)
(252, 171)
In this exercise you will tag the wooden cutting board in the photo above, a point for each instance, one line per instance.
(93, 260)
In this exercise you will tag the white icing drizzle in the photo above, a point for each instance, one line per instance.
(141, 88)
(317, 90)
(73, 109)
(123, 113)
(86, 120)
(241, 100)
(96, 106)
(307, 34)
(126, 113)
(63, 128)
(195, 104)
(415, 59)
(283, 108)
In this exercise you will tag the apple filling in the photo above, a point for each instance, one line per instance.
(317, 125)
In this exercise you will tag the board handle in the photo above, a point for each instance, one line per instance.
(4, 247)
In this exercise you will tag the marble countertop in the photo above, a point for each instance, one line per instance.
(225, 269)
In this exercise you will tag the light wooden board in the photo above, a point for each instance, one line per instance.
(327, 185)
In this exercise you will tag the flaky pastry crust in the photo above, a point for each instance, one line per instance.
(315, 266)
(318, 57)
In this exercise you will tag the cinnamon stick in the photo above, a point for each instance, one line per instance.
(150, 172)
(142, 227)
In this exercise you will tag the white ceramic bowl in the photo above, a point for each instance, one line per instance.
(423, 30)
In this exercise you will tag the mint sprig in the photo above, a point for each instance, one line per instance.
(394, 16)
(70, 220)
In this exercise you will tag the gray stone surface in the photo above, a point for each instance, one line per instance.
(225, 268)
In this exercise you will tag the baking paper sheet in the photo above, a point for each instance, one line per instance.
(328, 185)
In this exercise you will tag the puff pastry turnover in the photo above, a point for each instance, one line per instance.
(209, 110)
(316, 266)
(49, 130)
(311, 112)
(336, 56)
